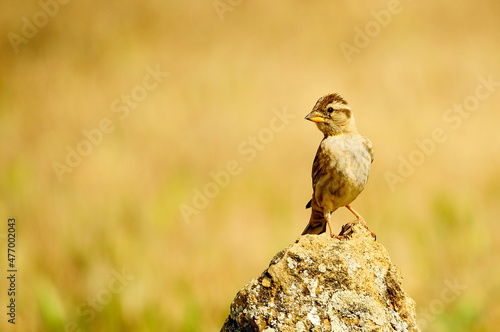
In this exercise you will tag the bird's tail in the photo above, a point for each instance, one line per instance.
(317, 223)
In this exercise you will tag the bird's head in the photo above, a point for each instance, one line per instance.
(332, 115)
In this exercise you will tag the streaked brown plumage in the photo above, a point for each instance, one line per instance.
(342, 163)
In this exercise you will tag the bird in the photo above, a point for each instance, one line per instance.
(341, 166)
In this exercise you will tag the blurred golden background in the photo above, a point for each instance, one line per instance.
(118, 116)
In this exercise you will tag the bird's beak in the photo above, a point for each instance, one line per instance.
(315, 117)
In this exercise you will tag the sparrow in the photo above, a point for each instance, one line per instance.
(341, 166)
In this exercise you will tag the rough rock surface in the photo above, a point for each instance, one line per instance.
(324, 284)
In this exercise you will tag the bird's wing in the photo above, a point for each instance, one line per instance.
(369, 146)
(316, 170)
(317, 166)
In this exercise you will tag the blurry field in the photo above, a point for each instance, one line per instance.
(117, 213)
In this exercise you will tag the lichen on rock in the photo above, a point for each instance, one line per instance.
(321, 283)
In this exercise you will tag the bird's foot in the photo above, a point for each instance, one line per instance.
(338, 237)
(363, 222)
(373, 234)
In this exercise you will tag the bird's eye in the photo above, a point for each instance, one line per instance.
(330, 109)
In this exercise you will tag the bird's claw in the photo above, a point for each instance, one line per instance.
(369, 230)
(338, 237)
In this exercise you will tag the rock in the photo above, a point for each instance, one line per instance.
(324, 284)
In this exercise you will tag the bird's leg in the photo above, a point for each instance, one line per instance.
(358, 216)
(327, 218)
(361, 220)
